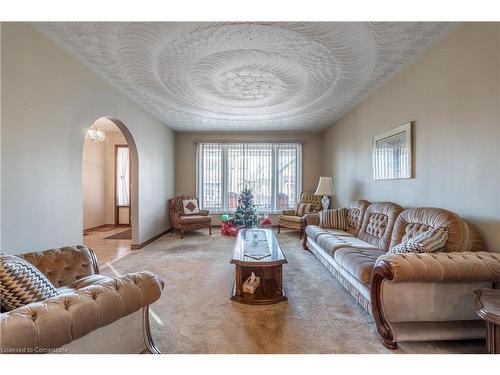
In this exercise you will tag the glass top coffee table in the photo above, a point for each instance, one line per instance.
(262, 256)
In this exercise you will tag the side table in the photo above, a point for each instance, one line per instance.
(488, 308)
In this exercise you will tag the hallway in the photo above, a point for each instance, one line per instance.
(107, 250)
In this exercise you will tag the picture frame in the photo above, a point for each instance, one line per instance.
(392, 154)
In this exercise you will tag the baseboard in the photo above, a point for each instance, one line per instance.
(152, 239)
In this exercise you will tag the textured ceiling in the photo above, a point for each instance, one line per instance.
(246, 76)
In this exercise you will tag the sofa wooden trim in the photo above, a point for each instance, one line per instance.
(382, 271)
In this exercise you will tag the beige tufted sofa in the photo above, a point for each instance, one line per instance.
(94, 313)
(412, 297)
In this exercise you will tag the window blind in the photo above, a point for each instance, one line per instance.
(271, 170)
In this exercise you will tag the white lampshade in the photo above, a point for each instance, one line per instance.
(325, 186)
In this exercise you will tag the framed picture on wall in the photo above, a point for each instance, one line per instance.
(392, 154)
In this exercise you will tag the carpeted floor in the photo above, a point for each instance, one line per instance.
(197, 315)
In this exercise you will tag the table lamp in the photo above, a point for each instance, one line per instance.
(325, 188)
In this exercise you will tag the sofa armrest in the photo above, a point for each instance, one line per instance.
(67, 317)
(311, 219)
(289, 212)
(440, 267)
(64, 265)
(448, 276)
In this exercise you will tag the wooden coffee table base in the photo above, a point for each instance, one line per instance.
(488, 308)
(269, 291)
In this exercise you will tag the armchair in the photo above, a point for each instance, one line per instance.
(185, 223)
(93, 314)
(295, 218)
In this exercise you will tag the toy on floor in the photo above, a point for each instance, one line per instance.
(228, 227)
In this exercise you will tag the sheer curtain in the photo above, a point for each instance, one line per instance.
(271, 170)
(122, 176)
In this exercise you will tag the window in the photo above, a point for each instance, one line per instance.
(271, 170)
(122, 176)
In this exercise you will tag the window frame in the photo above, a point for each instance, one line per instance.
(225, 173)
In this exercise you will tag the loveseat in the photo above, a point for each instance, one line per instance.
(93, 314)
(411, 296)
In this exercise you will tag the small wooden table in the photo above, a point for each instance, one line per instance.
(269, 269)
(488, 308)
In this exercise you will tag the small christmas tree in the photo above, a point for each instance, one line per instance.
(246, 214)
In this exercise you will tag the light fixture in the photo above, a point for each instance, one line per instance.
(95, 134)
(325, 188)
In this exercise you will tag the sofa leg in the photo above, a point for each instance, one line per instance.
(389, 344)
(301, 232)
(279, 228)
(210, 230)
(182, 234)
(146, 331)
(304, 242)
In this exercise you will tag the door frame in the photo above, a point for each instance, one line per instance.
(117, 207)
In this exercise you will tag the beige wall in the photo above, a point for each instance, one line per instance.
(94, 184)
(452, 95)
(48, 99)
(185, 155)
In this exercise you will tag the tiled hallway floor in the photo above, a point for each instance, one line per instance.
(107, 251)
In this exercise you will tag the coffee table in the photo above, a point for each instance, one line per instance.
(488, 308)
(269, 269)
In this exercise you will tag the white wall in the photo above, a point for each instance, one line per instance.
(453, 95)
(48, 100)
(94, 184)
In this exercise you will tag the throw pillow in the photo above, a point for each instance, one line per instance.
(303, 208)
(333, 219)
(22, 283)
(190, 207)
(430, 241)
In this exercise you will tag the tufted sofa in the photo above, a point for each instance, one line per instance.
(94, 313)
(412, 297)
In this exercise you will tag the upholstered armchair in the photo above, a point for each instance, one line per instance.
(294, 219)
(91, 313)
(187, 222)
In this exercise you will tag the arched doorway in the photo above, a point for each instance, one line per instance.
(110, 185)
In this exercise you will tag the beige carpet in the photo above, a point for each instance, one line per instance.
(198, 316)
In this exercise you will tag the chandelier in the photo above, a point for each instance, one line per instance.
(95, 134)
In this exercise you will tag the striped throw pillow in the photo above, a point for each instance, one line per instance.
(303, 208)
(333, 219)
(430, 241)
(22, 283)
